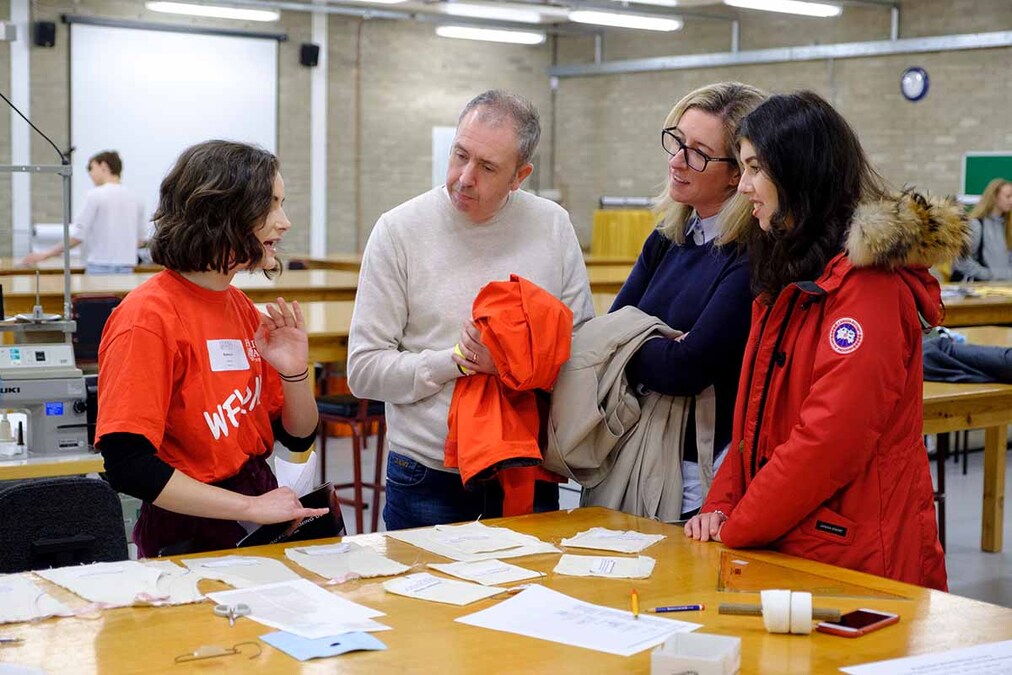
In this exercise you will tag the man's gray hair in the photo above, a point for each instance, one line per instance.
(496, 106)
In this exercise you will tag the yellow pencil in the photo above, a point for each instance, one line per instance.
(635, 604)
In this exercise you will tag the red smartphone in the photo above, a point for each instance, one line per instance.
(859, 622)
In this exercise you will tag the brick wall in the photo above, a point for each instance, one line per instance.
(608, 126)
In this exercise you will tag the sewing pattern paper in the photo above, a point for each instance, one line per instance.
(241, 571)
(612, 567)
(115, 584)
(21, 600)
(424, 586)
(176, 584)
(473, 541)
(603, 539)
(344, 561)
(486, 572)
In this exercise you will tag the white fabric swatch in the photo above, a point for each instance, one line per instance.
(486, 572)
(640, 567)
(177, 584)
(344, 561)
(241, 571)
(117, 584)
(21, 600)
(603, 539)
(459, 542)
(425, 586)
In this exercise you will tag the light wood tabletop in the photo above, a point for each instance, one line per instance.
(302, 285)
(426, 639)
(10, 266)
(956, 407)
(980, 310)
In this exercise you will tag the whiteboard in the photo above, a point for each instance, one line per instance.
(150, 94)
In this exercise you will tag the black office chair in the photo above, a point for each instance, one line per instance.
(90, 312)
(55, 522)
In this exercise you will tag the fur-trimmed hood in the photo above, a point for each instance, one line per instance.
(909, 230)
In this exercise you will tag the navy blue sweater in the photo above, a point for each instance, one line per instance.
(704, 291)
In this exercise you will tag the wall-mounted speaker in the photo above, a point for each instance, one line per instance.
(309, 54)
(45, 33)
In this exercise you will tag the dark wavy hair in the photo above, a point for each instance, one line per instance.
(821, 174)
(211, 204)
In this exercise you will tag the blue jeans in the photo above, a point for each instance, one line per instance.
(95, 268)
(418, 496)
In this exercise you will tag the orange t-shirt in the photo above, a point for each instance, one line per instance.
(178, 365)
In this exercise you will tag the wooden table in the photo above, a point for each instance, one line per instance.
(426, 639)
(50, 466)
(955, 407)
(621, 232)
(301, 285)
(10, 266)
(979, 311)
(607, 279)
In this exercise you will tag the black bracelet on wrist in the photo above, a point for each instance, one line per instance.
(295, 378)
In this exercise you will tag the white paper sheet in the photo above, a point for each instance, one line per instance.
(603, 539)
(612, 567)
(344, 561)
(486, 572)
(21, 600)
(303, 608)
(987, 659)
(458, 542)
(424, 586)
(241, 571)
(542, 613)
(176, 584)
(300, 477)
(116, 584)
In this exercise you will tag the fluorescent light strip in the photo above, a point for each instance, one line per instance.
(214, 11)
(491, 35)
(491, 12)
(639, 21)
(789, 7)
(656, 3)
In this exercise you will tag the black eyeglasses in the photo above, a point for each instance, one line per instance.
(695, 159)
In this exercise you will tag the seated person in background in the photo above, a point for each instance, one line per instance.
(194, 383)
(989, 257)
(693, 272)
(111, 223)
(827, 458)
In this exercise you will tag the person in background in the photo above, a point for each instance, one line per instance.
(989, 258)
(693, 271)
(827, 460)
(111, 224)
(423, 265)
(195, 384)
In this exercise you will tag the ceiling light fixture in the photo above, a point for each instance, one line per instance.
(818, 9)
(656, 3)
(215, 11)
(501, 13)
(638, 21)
(491, 35)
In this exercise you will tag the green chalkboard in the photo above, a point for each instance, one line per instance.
(980, 168)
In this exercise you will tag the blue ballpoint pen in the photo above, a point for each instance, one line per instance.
(679, 608)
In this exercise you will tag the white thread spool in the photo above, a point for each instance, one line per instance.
(801, 613)
(776, 606)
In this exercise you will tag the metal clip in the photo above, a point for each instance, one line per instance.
(214, 651)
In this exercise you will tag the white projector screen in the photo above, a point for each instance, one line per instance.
(150, 94)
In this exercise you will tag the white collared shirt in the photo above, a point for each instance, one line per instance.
(703, 230)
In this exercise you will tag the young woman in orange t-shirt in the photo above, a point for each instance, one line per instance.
(195, 384)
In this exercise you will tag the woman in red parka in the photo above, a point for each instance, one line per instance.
(827, 460)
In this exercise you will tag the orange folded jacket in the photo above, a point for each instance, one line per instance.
(494, 422)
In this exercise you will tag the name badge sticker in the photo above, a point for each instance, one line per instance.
(227, 355)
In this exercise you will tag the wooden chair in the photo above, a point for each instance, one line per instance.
(359, 416)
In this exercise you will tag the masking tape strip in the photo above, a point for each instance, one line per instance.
(776, 610)
(801, 613)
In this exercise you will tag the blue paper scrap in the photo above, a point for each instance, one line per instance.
(304, 649)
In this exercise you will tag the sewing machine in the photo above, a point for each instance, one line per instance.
(43, 381)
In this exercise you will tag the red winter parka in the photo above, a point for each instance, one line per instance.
(827, 460)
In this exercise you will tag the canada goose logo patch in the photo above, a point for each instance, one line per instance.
(846, 336)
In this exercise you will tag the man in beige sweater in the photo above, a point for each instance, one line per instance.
(422, 267)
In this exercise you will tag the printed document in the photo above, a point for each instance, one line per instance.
(486, 572)
(424, 586)
(986, 659)
(603, 539)
(303, 608)
(542, 613)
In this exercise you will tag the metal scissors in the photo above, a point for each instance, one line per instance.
(233, 612)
